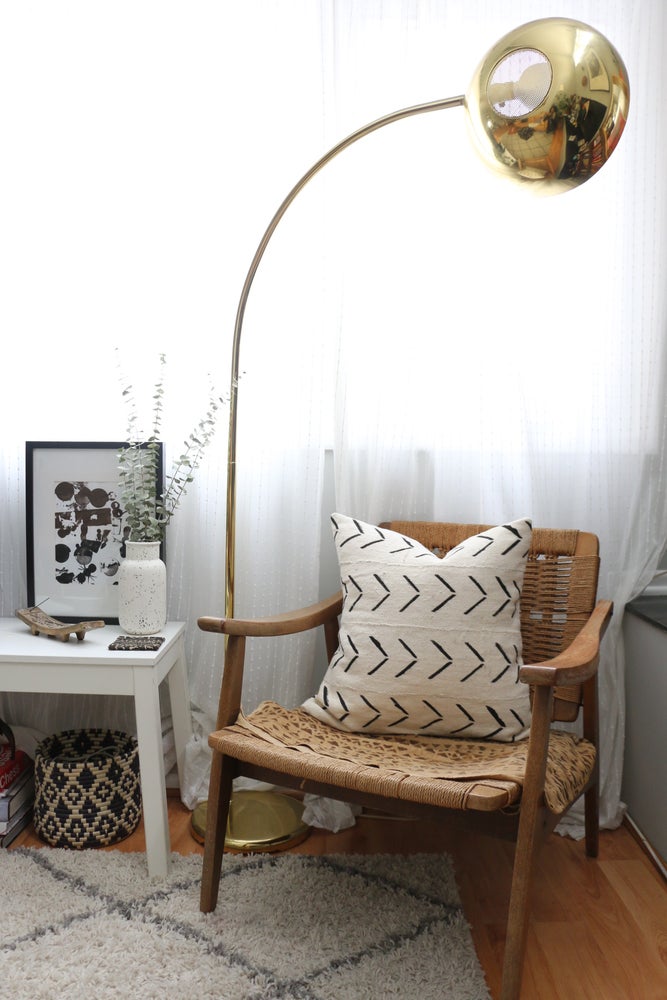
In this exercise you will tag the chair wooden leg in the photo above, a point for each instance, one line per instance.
(517, 921)
(531, 832)
(592, 795)
(592, 820)
(220, 792)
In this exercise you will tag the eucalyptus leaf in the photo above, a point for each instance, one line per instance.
(146, 512)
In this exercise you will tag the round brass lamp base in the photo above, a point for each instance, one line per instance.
(258, 821)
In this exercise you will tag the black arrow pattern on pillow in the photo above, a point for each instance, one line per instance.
(327, 702)
(450, 596)
(469, 723)
(340, 652)
(444, 666)
(491, 716)
(378, 714)
(382, 662)
(386, 657)
(359, 594)
(410, 665)
(508, 661)
(438, 716)
(488, 539)
(494, 719)
(404, 717)
(377, 536)
(387, 592)
(345, 708)
(480, 662)
(477, 604)
(349, 538)
(508, 595)
(412, 600)
(401, 591)
(470, 719)
(355, 593)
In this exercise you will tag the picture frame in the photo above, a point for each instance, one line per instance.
(597, 74)
(75, 532)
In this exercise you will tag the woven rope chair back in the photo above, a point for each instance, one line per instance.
(559, 590)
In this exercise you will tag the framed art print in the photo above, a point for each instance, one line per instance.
(75, 536)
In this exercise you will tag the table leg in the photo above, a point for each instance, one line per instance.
(179, 697)
(151, 764)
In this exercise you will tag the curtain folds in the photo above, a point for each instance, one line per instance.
(464, 352)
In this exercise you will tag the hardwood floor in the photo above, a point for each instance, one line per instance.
(598, 928)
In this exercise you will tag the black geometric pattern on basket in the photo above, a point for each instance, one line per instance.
(87, 788)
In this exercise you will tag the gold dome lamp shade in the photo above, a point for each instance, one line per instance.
(549, 103)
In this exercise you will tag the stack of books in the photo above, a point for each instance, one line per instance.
(17, 791)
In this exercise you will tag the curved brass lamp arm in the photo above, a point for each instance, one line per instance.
(530, 81)
(230, 537)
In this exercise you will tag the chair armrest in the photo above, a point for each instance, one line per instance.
(285, 624)
(579, 661)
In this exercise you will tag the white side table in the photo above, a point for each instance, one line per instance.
(41, 664)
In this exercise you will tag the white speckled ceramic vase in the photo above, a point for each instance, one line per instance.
(142, 589)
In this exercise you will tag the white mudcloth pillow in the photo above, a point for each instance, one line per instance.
(428, 645)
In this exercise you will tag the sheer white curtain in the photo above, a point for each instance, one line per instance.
(495, 356)
(146, 145)
(503, 357)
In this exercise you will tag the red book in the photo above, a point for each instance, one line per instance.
(12, 764)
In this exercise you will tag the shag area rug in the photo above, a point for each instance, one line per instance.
(91, 924)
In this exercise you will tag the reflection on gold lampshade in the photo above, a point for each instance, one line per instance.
(549, 102)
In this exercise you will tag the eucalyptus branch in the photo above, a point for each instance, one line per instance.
(146, 507)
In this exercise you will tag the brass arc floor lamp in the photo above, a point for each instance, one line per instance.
(546, 108)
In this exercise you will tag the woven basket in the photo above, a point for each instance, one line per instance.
(87, 791)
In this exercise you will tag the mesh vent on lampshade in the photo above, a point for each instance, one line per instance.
(519, 83)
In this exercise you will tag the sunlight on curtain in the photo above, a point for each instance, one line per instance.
(147, 144)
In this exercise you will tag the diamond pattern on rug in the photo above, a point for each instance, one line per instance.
(289, 927)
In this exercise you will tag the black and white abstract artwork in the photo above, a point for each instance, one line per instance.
(88, 532)
(75, 532)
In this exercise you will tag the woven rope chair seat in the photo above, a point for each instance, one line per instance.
(424, 769)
